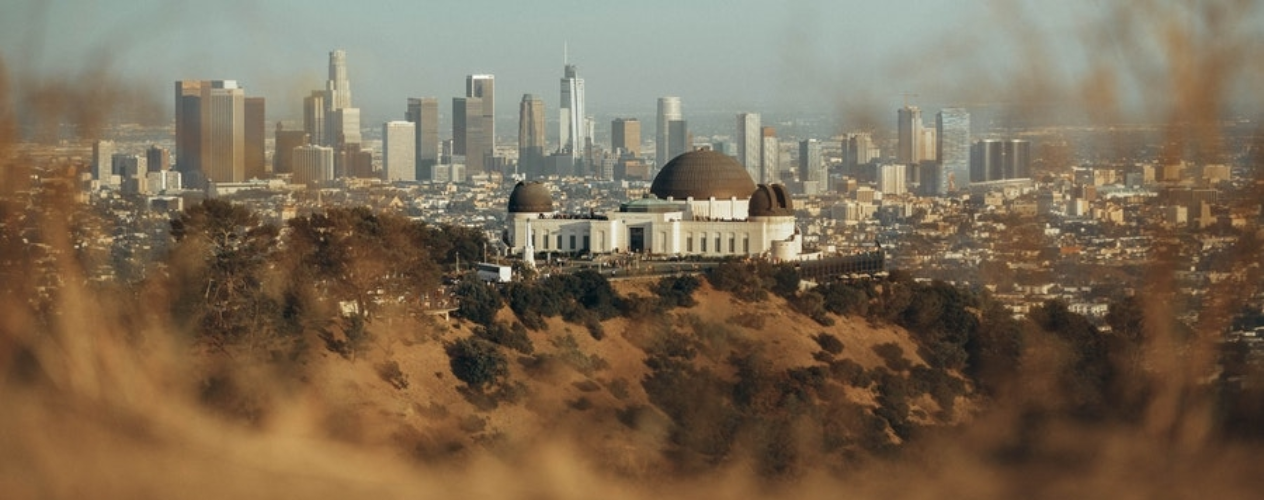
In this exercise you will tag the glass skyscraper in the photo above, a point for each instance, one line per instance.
(953, 149)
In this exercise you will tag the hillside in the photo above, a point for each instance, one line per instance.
(582, 390)
(251, 368)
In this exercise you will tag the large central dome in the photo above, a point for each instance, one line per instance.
(703, 174)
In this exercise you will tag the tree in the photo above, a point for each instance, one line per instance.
(219, 263)
(785, 280)
(356, 255)
(479, 301)
(743, 279)
(477, 362)
(677, 291)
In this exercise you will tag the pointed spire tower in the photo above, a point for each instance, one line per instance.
(573, 136)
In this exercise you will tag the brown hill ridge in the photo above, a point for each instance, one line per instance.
(593, 394)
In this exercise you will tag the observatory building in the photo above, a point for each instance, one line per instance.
(701, 203)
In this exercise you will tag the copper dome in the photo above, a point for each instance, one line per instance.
(701, 175)
(530, 197)
(771, 201)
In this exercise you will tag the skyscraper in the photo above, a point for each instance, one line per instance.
(483, 88)
(103, 161)
(891, 179)
(314, 117)
(313, 163)
(424, 113)
(158, 159)
(531, 136)
(573, 134)
(910, 135)
(953, 149)
(927, 145)
(862, 149)
(678, 138)
(210, 131)
(223, 132)
(770, 156)
(986, 161)
(625, 134)
(346, 129)
(342, 121)
(811, 168)
(1017, 159)
(467, 129)
(399, 162)
(189, 130)
(161, 178)
(256, 135)
(668, 111)
(338, 87)
(749, 144)
(286, 141)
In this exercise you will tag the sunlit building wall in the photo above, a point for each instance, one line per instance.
(399, 161)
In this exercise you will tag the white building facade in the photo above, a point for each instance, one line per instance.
(697, 207)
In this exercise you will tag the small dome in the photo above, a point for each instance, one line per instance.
(703, 174)
(530, 197)
(771, 201)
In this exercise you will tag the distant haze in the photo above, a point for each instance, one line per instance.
(856, 57)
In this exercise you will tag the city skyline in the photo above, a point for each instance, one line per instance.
(798, 47)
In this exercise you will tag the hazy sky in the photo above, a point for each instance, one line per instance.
(758, 55)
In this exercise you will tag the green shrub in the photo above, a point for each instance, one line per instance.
(514, 337)
(829, 343)
(893, 356)
(477, 362)
(389, 371)
(677, 291)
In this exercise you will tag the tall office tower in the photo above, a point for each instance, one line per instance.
(399, 153)
(256, 136)
(342, 121)
(189, 130)
(953, 150)
(160, 178)
(482, 87)
(678, 138)
(986, 161)
(424, 113)
(158, 159)
(129, 166)
(1017, 159)
(313, 163)
(668, 111)
(930, 178)
(314, 116)
(338, 87)
(103, 161)
(531, 136)
(862, 148)
(769, 156)
(286, 141)
(926, 146)
(467, 125)
(353, 161)
(346, 126)
(573, 134)
(749, 143)
(625, 134)
(131, 171)
(910, 135)
(892, 179)
(590, 131)
(811, 168)
(210, 131)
